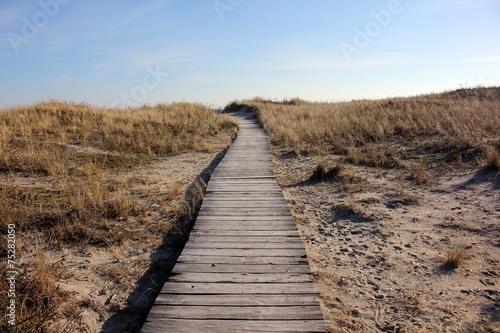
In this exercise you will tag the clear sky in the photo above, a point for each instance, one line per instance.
(130, 52)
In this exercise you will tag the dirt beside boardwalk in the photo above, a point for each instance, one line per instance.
(378, 242)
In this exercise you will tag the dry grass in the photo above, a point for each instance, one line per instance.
(60, 165)
(54, 138)
(75, 150)
(493, 159)
(418, 175)
(455, 258)
(321, 172)
(459, 126)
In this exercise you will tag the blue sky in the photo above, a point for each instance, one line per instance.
(124, 52)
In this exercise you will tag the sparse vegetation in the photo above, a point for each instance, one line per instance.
(418, 175)
(493, 159)
(338, 172)
(318, 172)
(62, 184)
(322, 172)
(455, 258)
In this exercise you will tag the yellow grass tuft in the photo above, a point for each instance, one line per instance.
(455, 258)
(493, 159)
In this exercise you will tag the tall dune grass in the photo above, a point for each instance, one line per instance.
(41, 138)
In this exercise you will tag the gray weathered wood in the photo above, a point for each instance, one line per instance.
(264, 219)
(221, 259)
(243, 239)
(237, 300)
(246, 252)
(200, 288)
(210, 277)
(241, 226)
(244, 267)
(229, 326)
(234, 312)
(237, 245)
(247, 233)
(235, 268)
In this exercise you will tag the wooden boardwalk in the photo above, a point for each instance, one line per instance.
(244, 268)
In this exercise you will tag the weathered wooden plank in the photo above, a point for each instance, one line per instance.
(256, 162)
(239, 245)
(228, 268)
(244, 214)
(250, 233)
(296, 252)
(264, 162)
(211, 277)
(226, 326)
(247, 177)
(200, 288)
(243, 198)
(246, 164)
(269, 219)
(246, 205)
(246, 190)
(244, 220)
(241, 172)
(235, 312)
(235, 222)
(243, 188)
(243, 211)
(231, 169)
(241, 221)
(238, 300)
(274, 196)
(247, 239)
(220, 259)
(242, 227)
(244, 181)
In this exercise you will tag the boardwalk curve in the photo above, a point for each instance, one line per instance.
(244, 267)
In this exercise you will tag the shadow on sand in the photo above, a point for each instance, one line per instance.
(483, 176)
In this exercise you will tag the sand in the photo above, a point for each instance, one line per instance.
(377, 246)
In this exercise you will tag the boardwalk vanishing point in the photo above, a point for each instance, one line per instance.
(244, 267)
